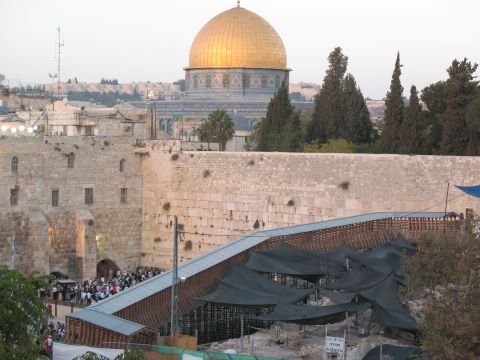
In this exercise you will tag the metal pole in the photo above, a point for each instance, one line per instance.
(241, 333)
(174, 289)
(446, 199)
(14, 252)
(381, 344)
(345, 345)
(444, 217)
(325, 343)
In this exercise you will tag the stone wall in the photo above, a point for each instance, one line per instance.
(220, 196)
(42, 167)
(217, 196)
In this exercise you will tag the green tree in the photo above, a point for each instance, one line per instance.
(390, 137)
(218, 128)
(358, 126)
(281, 129)
(472, 116)
(412, 130)
(328, 120)
(434, 98)
(459, 89)
(22, 314)
(449, 271)
(292, 134)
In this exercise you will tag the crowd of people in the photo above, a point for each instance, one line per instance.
(101, 287)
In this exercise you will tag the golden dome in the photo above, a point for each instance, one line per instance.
(238, 38)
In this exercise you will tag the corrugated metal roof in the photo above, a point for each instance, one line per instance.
(130, 296)
(110, 322)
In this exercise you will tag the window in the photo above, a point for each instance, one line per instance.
(88, 196)
(14, 164)
(13, 197)
(55, 197)
(71, 160)
(123, 195)
(123, 163)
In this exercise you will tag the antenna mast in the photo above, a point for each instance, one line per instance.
(60, 44)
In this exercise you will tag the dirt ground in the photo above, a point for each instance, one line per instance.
(292, 342)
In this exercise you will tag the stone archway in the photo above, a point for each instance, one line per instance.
(104, 266)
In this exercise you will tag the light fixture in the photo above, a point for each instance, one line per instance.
(13, 130)
(35, 127)
(22, 128)
(30, 130)
(4, 127)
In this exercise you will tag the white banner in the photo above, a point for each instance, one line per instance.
(191, 357)
(334, 345)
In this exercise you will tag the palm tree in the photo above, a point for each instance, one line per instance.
(218, 128)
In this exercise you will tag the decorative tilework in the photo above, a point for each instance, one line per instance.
(264, 81)
(246, 81)
(234, 83)
(226, 80)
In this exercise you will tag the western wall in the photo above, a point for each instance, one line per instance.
(218, 196)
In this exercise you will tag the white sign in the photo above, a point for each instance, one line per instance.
(334, 345)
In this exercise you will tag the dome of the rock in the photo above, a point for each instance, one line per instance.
(237, 38)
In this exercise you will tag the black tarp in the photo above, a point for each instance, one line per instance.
(338, 297)
(383, 296)
(289, 260)
(338, 255)
(245, 287)
(388, 308)
(354, 281)
(313, 315)
(387, 264)
(395, 352)
(380, 252)
(400, 243)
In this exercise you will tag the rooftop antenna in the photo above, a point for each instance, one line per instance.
(59, 44)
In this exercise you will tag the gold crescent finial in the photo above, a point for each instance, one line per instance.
(238, 3)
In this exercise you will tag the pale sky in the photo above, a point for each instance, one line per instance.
(140, 40)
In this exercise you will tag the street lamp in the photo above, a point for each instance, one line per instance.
(53, 77)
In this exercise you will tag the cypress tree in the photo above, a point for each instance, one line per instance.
(434, 99)
(292, 134)
(411, 134)
(390, 137)
(459, 88)
(328, 120)
(358, 126)
(472, 117)
(271, 136)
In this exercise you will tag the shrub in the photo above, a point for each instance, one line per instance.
(174, 157)
(166, 206)
(344, 185)
(188, 245)
(290, 202)
(206, 173)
